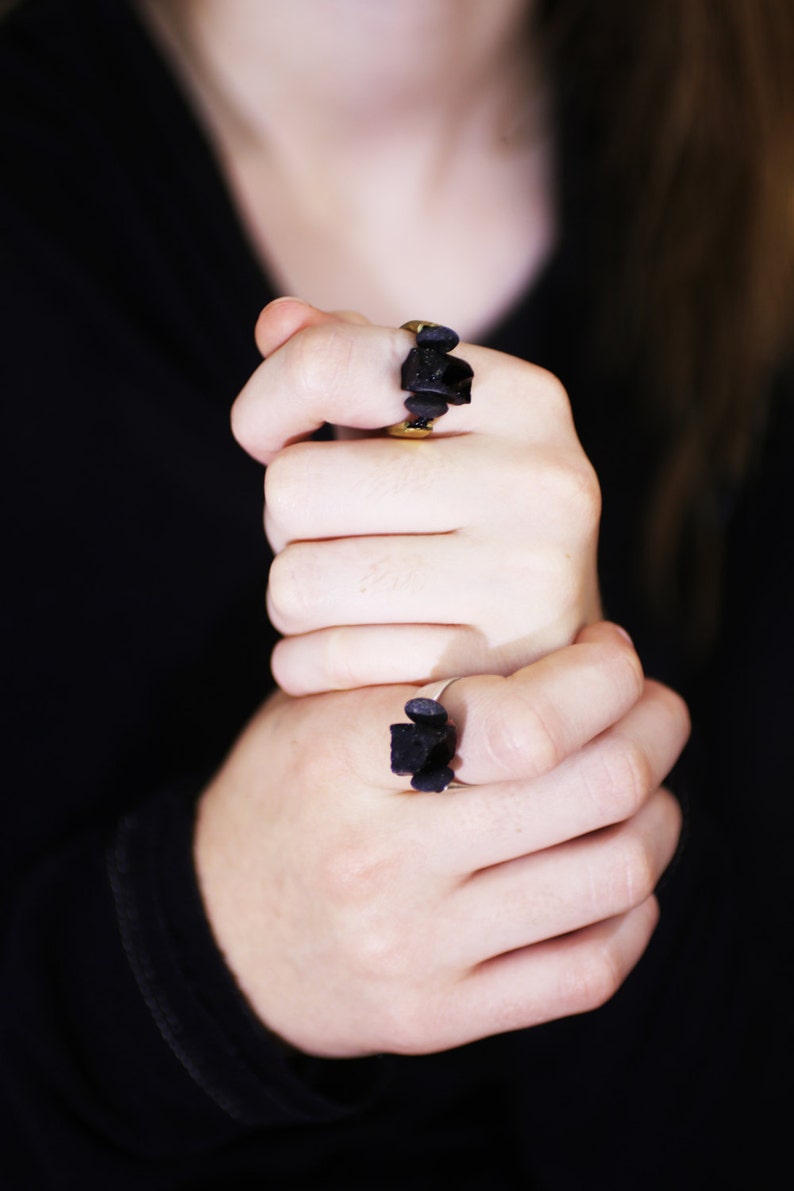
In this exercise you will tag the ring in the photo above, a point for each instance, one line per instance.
(425, 747)
(434, 379)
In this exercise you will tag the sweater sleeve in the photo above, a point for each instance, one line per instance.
(127, 1045)
(135, 643)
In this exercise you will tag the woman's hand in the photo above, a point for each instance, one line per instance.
(472, 551)
(362, 918)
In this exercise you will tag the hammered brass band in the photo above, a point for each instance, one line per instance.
(407, 430)
(417, 324)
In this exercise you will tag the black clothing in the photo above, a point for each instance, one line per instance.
(137, 647)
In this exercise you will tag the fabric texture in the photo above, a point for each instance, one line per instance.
(137, 647)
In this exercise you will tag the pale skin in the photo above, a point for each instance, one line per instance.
(361, 918)
(357, 917)
(401, 561)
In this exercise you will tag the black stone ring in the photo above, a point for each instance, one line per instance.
(425, 747)
(434, 379)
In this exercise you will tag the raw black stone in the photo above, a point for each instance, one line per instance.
(411, 745)
(432, 780)
(426, 370)
(423, 370)
(426, 406)
(424, 749)
(442, 338)
(458, 376)
(426, 711)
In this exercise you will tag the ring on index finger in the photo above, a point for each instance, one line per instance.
(426, 746)
(434, 379)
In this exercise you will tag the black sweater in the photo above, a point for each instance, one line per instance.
(136, 646)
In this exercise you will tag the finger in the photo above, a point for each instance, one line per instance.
(385, 490)
(564, 976)
(334, 371)
(284, 317)
(562, 889)
(405, 580)
(605, 782)
(373, 486)
(514, 728)
(344, 657)
(550, 980)
(525, 725)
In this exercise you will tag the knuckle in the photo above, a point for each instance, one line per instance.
(286, 488)
(585, 495)
(380, 954)
(681, 719)
(290, 678)
(327, 660)
(354, 872)
(339, 664)
(593, 977)
(518, 739)
(637, 868)
(570, 485)
(670, 716)
(291, 589)
(553, 390)
(382, 573)
(243, 417)
(407, 474)
(621, 781)
(674, 815)
(539, 740)
(624, 668)
(319, 361)
(633, 774)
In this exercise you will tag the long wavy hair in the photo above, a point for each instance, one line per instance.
(686, 112)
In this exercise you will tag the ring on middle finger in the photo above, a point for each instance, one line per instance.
(425, 747)
(434, 379)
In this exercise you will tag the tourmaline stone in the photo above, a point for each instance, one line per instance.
(426, 711)
(426, 370)
(424, 747)
(426, 406)
(432, 781)
(441, 338)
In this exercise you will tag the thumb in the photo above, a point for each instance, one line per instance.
(281, 319)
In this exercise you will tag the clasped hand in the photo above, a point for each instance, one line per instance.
(472, 552)
(359, 917)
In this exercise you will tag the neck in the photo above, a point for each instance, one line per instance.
(376, 149)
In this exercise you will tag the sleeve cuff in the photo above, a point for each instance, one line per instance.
(194, 1001)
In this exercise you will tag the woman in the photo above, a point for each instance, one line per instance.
(239, 953)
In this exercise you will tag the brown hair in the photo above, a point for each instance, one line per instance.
(686, 110)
